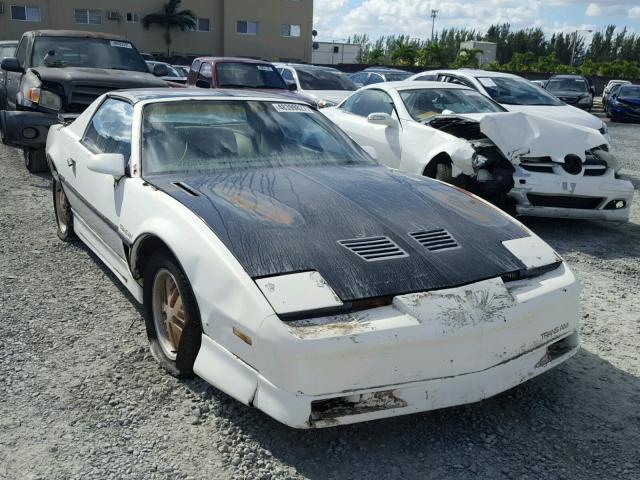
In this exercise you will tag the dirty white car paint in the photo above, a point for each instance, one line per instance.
(288, 343)
(541, 181)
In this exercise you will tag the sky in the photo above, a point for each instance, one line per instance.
(338, 19)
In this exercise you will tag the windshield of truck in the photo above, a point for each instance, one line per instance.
(86, 52)
(248, 75)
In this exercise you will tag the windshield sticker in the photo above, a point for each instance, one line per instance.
(487, 82)
(120, 44)
(291, 108)
(265, 68)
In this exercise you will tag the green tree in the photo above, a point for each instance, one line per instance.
(467, 58)
(170, 18)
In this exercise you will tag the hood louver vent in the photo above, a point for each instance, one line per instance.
(435, 240)
(373, 249)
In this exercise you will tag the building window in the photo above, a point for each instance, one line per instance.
(89, 17)
(246, 27)
(25, 14)
(203, 24)
(336, 49)
(290, 30)
(133, 18)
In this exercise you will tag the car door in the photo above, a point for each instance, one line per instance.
(12, 79)
(97, 198)
(374, 78)
(204, 76)
(386, 139)
(360, 79)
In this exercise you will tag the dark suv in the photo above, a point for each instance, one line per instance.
(55, 75)
(574, 90)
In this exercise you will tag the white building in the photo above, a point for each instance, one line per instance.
(333, 53)
(489, 50)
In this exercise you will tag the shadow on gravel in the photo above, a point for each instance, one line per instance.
(599, 239)
(548, 427)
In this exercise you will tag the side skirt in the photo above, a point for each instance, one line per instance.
(107, 255)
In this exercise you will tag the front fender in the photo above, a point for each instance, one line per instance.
(227, 297)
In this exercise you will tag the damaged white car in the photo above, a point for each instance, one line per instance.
(523, 163)
(278, 262)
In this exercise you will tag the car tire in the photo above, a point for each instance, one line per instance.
(35, 160)
(63, 213)
(443, 171)
(171, 314)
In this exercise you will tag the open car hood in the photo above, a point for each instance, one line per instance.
(517, 134)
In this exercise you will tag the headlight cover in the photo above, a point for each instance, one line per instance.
(535, 254)
(298, 292)
(32, 92)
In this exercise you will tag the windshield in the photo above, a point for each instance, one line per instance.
(182, 70)
(396, 77)
(7, 51)
(577, 85)
(316, 79)
(219, 135)
(86, 52)
(248, 75)
(629, 91)
(516, 91)
(423, 104)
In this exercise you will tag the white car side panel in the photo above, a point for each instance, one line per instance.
(226, 295)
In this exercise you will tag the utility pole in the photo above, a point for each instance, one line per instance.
(434, 14)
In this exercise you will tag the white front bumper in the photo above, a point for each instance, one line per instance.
(425, 351)
(561, 184)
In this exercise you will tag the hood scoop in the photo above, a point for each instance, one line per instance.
(373, 249)
(435, 240)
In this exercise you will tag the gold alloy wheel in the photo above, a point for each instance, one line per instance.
(61, 211)
(169, 316)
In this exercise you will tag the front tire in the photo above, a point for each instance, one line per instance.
(443, 171)
(35, 160)
(171, 315)
(64, 215)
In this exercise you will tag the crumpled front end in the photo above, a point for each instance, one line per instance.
(423, 351)
(426, 351)
(560, 170)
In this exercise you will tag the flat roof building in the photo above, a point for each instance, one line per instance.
(269, 29)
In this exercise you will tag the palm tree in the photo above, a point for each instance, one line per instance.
(170, 17)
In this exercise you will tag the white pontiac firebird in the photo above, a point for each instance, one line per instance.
(450, 132)
(276, 260)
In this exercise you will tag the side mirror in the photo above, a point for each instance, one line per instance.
(592, 89)
(108, 164)
(292, 86)
(203, 84)
(371, 151)
(160, 70)
(381, 118)
(11, 64)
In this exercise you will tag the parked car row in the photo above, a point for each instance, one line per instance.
(278, 260)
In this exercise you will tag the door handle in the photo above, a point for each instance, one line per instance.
(71, 162)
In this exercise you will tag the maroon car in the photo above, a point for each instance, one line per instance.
(229, 72)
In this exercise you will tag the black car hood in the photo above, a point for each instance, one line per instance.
(569, 94)
(630, 100)
(99, 77)
(285, 220)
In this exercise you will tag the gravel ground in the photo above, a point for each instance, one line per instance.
(83, 399)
